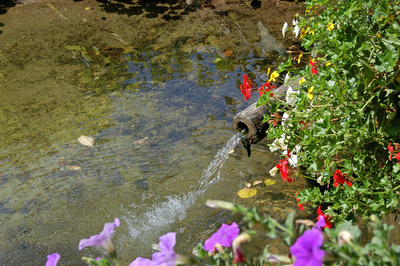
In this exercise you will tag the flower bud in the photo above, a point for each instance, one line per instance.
(345, 237)
(221, 204)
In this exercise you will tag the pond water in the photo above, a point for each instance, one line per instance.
(164, 144)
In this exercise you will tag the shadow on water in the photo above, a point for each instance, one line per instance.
(167, 9)
(4, 5)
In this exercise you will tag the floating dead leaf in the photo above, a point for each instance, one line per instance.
(269, 182)
(141, 141)
(231, 151)
(247, 184)
(228, 53)
(255, 183)
(247, 193)
(72, 167)
(87, 141)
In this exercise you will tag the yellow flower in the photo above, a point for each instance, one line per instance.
(303, 33)
(274, 75)
(312, 32)
(301, 81)
(309, 94)
(328, 63)
(379, 35)
(269, 70)
(331, 26)
(300, 56)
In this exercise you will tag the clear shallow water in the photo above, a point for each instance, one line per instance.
(185, 105)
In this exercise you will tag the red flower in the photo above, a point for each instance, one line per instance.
(328, 224)
(301, 206)
(284, 170)
(338, 178)
(267, 87)
(246, 87)
(398, 157)
(314, 70)
(390, 147)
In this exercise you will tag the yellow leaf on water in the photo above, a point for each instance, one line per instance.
(247, 193)
(269, 182)
(141, 141)
(255, 183)
(87, 141)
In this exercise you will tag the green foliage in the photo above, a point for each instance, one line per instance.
(352, 114)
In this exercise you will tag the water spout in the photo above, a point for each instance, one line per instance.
(251, 122)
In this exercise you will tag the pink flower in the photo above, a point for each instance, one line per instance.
(307, 248)
(167, 255)
(103, 239)
(52, 259)
(224, 236)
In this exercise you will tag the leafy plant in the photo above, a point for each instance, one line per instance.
(344, 114)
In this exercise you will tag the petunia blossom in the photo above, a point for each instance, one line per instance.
(166, 256)
(52, 259)
(103, 239)
(141, 262)
(307, 248)
(224, 236)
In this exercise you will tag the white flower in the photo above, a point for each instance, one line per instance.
(285, 117)
(284, 29)
(296, 27)
(279, 144)
(291, 96)
(293, 159)
(286, 78)
(273, 171)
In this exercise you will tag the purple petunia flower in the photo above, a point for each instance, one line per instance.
(103, 239)
(224, 236)
(141, 262)
(167, 255)
(321, 222)
(306, 249)
(52, 259)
